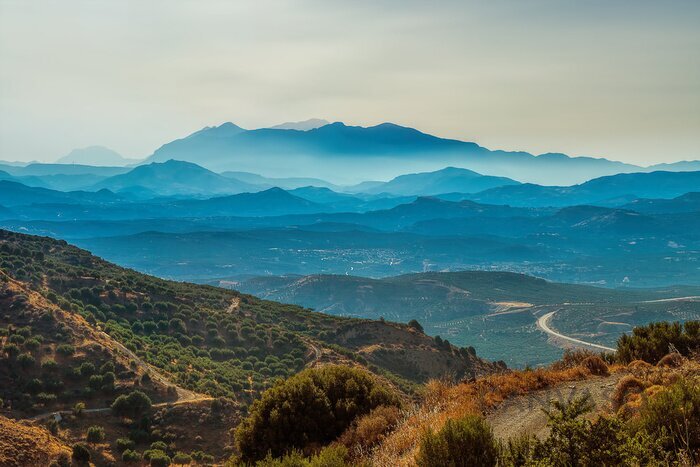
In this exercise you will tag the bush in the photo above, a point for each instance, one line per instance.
(181, 458)
(312, 407)
(95, 434)
(673, 416)
(65, 349)
(368, 430)
(81, 454)
(331, 456)
(672, 360)
(26, 360)
(625, 387)
(124, 444)
(651, 342)
(133, 404)
(595, 365)
(78, 408)
(465, 442)
(156, 458)
(129, 456)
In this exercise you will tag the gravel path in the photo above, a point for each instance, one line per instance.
(523, 414)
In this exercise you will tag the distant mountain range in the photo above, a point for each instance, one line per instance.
(339, 152)
(447, 180)
(173, 178)
(97, 156)
(611, 190)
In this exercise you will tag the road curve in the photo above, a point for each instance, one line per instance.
(543, 324)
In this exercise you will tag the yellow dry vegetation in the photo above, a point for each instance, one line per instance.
(443, 401)
(26, 446)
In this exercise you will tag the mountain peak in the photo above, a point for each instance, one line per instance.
(94, 155)
(306, 125)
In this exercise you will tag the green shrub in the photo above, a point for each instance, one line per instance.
(181, 458)
(81, 454)
(651, 342)
(95, 434)
(26, 360)
(65, 349)
(465, 442)
(673, 416)
(312, 407)
(124, 444)
(159, 445)
(133, 404)
(129, 456)
(78, 408)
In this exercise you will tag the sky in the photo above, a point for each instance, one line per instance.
(615, 79)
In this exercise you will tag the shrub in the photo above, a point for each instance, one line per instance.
(129, 456)
(312, 407)
(651, 342)
(49, 365)
(595, 365)
(78, 408)
(181, 458)
(672, 360)
(159, 445)
(65, 349)
(368, 430)
(133, 404)
(95, 434)
(26, 360)
(673, 416)
(124, 444)
(625, 387)
(465, 442)
(87, 369)
(156, 458)
(81, 454)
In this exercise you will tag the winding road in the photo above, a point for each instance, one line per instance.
(543, 324)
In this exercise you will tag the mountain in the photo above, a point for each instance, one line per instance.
(95, 155)
(284, 183)
(271, 202)
(447, 180)
(689, 202)
(340, 153)
(306, 125)
(41, 170)
(17, 194)
(610, 190)
(174, 178)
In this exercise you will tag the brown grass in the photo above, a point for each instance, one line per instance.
(672, 360)
(595, 365)
(442, 401)
(23, 446)
(628, 386)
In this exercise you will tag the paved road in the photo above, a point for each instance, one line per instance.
(543, 324)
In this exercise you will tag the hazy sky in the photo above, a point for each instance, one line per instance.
(616, 79)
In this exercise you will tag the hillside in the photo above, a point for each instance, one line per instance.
(243, 341)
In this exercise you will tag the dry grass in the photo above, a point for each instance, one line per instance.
(595, 365)
(672, 360)
(23, 446)
(443, 401)
(628, 386)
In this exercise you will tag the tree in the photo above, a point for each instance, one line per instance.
(133, 404)
(460, 443)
